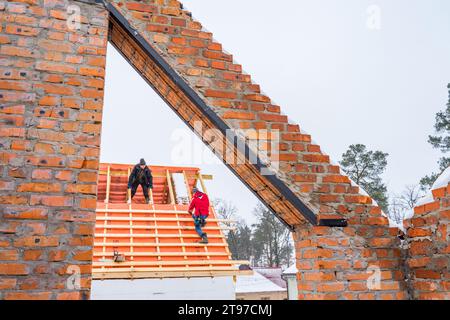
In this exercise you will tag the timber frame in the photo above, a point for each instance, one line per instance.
(156, 240)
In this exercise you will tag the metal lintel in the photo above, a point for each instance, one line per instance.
(333, 223)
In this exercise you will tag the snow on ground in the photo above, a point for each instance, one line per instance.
(256, 283)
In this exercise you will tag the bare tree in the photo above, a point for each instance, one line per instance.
(406, 201)
(397, 209)
(225, 210)
(238, 236)
(411, 196)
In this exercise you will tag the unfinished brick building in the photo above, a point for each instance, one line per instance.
(52, 72)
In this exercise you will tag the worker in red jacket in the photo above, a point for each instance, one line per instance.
(199, 203)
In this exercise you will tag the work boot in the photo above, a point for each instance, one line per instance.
(204, 239)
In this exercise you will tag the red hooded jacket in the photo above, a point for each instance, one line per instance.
(200, 202)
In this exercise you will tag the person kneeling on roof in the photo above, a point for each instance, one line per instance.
(141, 175)
(199, 203)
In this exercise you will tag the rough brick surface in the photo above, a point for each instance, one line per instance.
(51, 99)
(429, 250)
(219, 80)
(337, 268)
(51, 92)
(346, 263)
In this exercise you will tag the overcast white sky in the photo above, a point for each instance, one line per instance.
(341, 81)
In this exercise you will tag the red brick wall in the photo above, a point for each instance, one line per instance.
(333, 262)
(429, 250)
(51, 99)
(231, 94)
(346, 263)
(51, 89)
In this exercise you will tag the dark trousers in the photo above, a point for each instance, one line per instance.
(199, 223)
(145, 189)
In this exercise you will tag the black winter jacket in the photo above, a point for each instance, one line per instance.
(147, 178)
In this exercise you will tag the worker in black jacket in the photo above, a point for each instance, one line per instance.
(141, 175)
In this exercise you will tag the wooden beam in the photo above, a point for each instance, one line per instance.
(131, 234)
(158, 219)
(168, 274)
(97, 264)
(163, 254)
(153, 244)
(128, 190)
(156, 174)
(188, 188)
(104, 232)
(150, 191)
(202, 184)
(141, 211)
(108, 184)
(169, 184)
(153, 235)
(175, 269)
(147, 227)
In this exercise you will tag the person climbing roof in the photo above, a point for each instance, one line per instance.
(199, 209)
(140, 175)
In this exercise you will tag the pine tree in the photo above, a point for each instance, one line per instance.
(271, 240)
(365, 167)
(440, 141)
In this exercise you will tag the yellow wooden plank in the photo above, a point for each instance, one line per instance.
(154, 235)
(166, 263)
(155, 175)
(188, 189)
(169, 184)
(147, 227)
(174, 269)
(163, 254)
(169, 274)
(108, 184)
(156, 244)
(100, 218)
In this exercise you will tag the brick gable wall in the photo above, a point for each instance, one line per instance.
(429, 250)
(51, 100)
(337, 268)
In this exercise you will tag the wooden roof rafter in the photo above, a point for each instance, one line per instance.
(157, 240)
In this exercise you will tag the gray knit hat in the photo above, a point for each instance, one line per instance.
(142, 162)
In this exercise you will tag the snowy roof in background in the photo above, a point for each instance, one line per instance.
(256, 283)
(291, 270)
(273, 274)
(441, 182)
